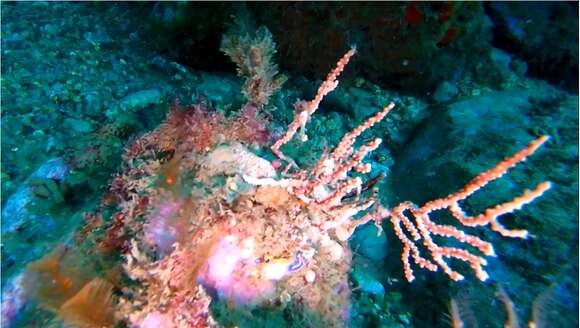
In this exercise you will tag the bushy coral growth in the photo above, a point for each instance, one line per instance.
(250, 126)
(252, 51)
(239, 245)
(198, 129)
(201, 128)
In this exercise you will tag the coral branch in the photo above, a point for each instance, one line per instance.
(341, 151)
(326, 189)
(424, 228)
(327, 185)
(304, 109)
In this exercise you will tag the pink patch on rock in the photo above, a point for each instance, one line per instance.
(159, 231)
(156, 320)
(227, 273)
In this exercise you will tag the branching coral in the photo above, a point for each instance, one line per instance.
(328, 183)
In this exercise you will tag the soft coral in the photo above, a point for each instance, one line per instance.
(202, 127)
(53, 279)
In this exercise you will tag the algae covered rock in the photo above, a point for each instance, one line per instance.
(140, 99)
